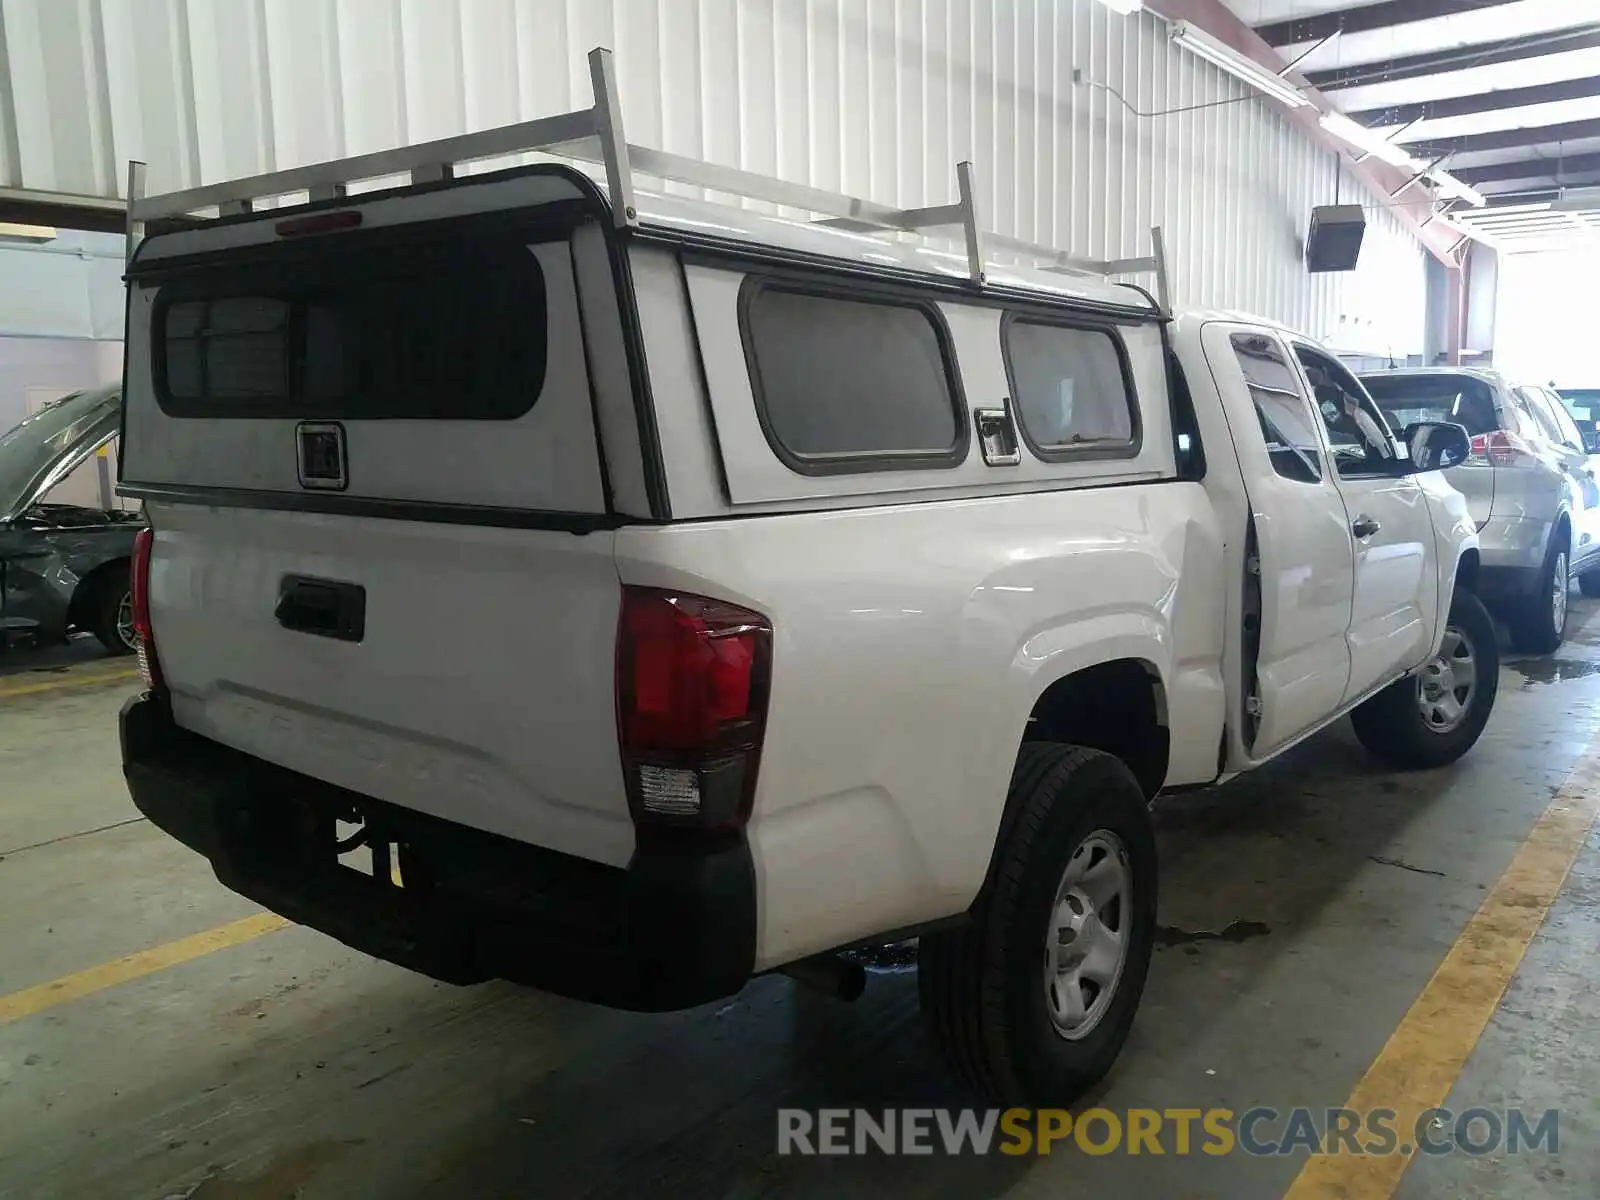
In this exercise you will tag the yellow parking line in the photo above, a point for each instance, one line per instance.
(1418, 1067)
(34, 1000)
(70, 681)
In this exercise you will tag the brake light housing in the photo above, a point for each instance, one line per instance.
(324, 222)
(693, 676)
(1501, 448)
(139, 591)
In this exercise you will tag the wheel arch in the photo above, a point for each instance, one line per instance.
(80, 609)
(1117, 705)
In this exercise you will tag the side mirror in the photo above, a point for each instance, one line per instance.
(1591, 438)
(1437, 445)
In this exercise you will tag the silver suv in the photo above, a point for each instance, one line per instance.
(1530, 484)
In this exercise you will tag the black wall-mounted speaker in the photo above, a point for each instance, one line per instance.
(1334, 242)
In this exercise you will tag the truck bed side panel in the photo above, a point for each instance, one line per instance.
(910, 644)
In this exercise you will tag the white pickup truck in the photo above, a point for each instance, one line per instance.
(630, 596)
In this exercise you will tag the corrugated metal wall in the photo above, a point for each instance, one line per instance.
(876, 97)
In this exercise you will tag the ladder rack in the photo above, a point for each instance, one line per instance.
(596, 135)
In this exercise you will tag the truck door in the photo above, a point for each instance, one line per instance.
(1300, 565)
(1393, 611)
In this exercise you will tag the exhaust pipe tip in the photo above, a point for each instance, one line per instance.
(837, 976)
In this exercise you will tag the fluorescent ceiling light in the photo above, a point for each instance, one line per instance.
(1124, 6)
(1453, 189)
(1203, 45)
(1366, 140)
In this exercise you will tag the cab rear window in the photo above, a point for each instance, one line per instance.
(444, 329)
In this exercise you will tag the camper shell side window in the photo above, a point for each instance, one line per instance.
(851, 380)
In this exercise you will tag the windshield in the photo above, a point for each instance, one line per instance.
(1462, 399)
(32, 450)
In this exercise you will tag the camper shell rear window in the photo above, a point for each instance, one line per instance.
(447, 328)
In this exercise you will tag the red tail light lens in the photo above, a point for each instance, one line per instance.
(1501, 449)
(692, 682)
(139, 587)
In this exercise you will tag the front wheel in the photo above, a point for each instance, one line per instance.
(1031, 1001)
(1433, 717)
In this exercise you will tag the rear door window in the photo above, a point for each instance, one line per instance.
(848, 382)
(442, 329)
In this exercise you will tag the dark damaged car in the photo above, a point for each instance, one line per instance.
(63, 567)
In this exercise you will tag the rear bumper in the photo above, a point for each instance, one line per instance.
(675, 929)
(1512, 551)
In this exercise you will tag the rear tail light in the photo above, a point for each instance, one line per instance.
(139, 587)
(692, 682)
(1501, 449)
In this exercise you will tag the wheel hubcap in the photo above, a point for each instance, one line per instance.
(1086, 941)
(1446, 684)
(125, 622)
(1558, 596)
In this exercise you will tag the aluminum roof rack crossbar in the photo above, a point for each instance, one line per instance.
(596, 135)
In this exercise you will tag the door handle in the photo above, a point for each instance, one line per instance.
(1364, 526)
(325, 607)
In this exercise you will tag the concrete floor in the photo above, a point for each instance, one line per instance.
(289, 1066)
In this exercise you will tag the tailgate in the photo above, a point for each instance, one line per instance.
(383, 547)
(1475, 481)
(478, 686)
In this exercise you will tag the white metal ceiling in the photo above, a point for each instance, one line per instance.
(874, 97)
(1458, 30)
(1397, 58)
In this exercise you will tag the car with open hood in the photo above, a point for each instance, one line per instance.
(63, 567)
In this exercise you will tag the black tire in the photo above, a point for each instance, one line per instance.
(1532, 619)
(1589, 583)
(982, 986)
(1391, 724)
(106, 612)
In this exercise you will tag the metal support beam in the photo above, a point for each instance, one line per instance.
(1416, 66)
(62, 210)
(1531, 168)
(972, 226)
(1508, 139)
(613, 139)
(1480, 102)
(1158, 242)
(135, 233)
(465, 147)
(1365, 19)
(1532, 191)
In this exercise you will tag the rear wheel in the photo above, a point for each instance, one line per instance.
(1539, 622)
(112, 617)
(1031, 1001)
(1589, 583)
(1432, 718)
